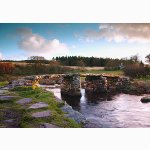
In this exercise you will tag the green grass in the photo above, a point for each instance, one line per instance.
(3, 83)
(116, 72)
(144, 79)
(39, 94)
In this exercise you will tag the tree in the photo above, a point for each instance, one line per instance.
(36, 58)
(134, 58)
(148, 58)
(81, 64)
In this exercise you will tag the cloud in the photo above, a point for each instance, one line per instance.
(35, 44)
(1, 56)
(120, 32)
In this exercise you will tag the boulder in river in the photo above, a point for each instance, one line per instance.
(145, 99)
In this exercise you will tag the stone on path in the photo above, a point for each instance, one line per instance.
(145, 99)
(48, 125)
(2, 92)
(38, 105)
(9, 121)
(41, 114)
(24, 101)
(7, 98)
(5, 88)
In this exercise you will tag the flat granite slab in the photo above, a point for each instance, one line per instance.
(3, 92)
(42, 114)
(38, 105)
(24, 101)
(48, 125)
(7, 98)
(5, 88)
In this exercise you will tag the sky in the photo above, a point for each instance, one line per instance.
(19, 41)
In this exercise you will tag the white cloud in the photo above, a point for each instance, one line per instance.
(35, 44)
(1, 56)
(120, 32)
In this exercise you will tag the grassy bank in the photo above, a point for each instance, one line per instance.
(3, 83)
(116, 72)
(22, 115)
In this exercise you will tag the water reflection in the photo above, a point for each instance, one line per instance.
(73, 101)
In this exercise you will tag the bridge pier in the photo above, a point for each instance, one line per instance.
(96, 84)
(71, 85)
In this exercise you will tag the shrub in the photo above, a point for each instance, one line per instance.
(6, 67)
(136, 71)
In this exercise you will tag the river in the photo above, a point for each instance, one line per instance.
(119, 111)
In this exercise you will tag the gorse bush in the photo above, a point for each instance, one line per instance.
(136, 71)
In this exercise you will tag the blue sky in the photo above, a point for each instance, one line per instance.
(19, 41)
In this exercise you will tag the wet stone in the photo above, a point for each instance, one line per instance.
(75, 115)
(145, 99)
(24, 101)
(7, 98)
(41, 114)
(90, 125)
(48, 125)
(38, 105)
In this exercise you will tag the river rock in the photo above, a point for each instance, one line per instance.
(145, 99)
(75, 115)
(90, 125)
(24, 101)
(41, 114)
(48, 125)
(38, 105)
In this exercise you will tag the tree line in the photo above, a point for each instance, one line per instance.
(97, 62)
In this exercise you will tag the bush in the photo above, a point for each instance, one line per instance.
(136, 71)
(6, 67)
(111, 68)
(32, 69)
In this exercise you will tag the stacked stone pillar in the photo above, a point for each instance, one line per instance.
(71, 85)
(96, 84)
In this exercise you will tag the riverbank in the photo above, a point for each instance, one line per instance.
(32, 107)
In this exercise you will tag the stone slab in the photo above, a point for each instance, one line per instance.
(5, 88)
(41, 114)
(3, 91)
(7, 98)
(38, 105)
(48, 125)
(9, 121)
(24, 101)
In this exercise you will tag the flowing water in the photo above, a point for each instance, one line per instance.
(122, 110)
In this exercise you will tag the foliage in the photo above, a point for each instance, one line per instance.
(148, 58)
(6, 67)
(94, 61)
(136, 71)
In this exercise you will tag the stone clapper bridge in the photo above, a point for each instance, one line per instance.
(71, 84)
